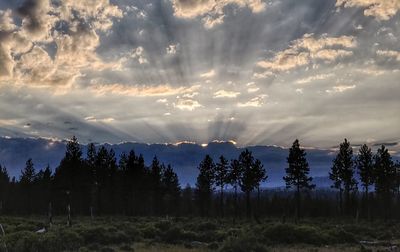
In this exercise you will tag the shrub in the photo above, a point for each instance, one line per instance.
(291, 234)
(243, 243)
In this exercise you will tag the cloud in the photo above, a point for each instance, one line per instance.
(101, 120)
(331, 55)
(6, 20)
(172, 49)
(226, 94)
(340, 88)
(138, 54)
(389, 54)
(381, 9)
(70, 27)
(303, 51)
(306, 49)
(314, 78)
(208, 74)
(139, 90)
(162, 100)
(212, 11)
(257, 101)
(187, 104)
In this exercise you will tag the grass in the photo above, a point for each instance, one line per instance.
(193, 234)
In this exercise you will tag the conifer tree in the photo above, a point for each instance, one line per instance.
(297, 173)
(221, 179)
(342, 173)
(204, 184)
(234, 176)
(250, 176)
(385, 178)
(172, 190)
(28, 177)
(155, 184)
(365, 166)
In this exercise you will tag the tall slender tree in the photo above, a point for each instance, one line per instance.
(385, 178)
(205, 184)
(342, 174)
(171, 188)
(297, 173)
(28, 177)
(156, 185)
(221, 179)
(261, 176)
(250, 178)
(4, 187)
(365, 166)
(234, 176)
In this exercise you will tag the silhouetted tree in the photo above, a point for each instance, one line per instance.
(28, 176)
(385, 178)
(234, 176)
(261, 176)
(297, 173)
(250, 178)
(221, 179)
(4, 187)
(156, 185)
(187, 200)
(204, 184)
(72, 179)
(365, 166)
(172, 190)
(342, 173)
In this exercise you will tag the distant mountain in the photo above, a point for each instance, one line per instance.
(183, 157)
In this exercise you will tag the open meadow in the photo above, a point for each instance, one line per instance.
(195, 234)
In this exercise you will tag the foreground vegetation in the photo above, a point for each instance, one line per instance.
(194, 234)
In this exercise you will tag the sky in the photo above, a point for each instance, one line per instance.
(256, 72)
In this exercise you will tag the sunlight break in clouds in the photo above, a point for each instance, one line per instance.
(174, 70)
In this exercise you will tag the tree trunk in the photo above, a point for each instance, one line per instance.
(367, 202)
(258, 201)
(298, 203)
(248, 205)
(222, 202)
(235, 204)
(340, 201)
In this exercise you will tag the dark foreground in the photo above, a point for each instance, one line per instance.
(196, 234)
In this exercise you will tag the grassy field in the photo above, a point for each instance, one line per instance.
(195, 234)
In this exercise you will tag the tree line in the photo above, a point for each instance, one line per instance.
(97, 183)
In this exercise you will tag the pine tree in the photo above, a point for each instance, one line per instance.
(261, 176)
(4, 187)
(155, 184)
(73, 179)
(365, 166)
(342, 173)
(221, 179)
(28, 177)
(172, 190)
(385, 178)
(297, 173)
(250, 176)
(204, 184)
(234, 176)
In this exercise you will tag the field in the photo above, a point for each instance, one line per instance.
(195, 234)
